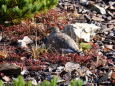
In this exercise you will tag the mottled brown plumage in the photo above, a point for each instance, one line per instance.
(59, 40)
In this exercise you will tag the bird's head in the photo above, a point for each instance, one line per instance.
(54, 29)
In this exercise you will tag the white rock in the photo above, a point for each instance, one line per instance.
(22, 44)
(109, 46)
(69, 66)
(25, 71)
(60, 68)
(26, 40)
(81, 30)
(88, 73)
(6, 78)
(34, 82)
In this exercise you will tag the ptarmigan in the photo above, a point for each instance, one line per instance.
(61, 41)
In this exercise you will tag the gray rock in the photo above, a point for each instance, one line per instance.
(97, 19)
(10, 69)
(59, 41)
(98, 9)
(1, 38)
(70, 66)
(7, 66)
(84, 2)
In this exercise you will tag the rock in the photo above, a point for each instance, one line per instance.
(1, 38)
(112, 5)
(81, 31)
(83, 2)
(6, 78)
(59, 41)
(111, 14)
(34, 82)
(105, 76)
(98, 9)
(10, 69)
(109, 46)
(25, 71)
(109, 18)
(70, 66)
(25, 41)
(88, 18)
(97, 19)
(60, 68)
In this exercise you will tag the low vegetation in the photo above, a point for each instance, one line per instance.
(54, 82)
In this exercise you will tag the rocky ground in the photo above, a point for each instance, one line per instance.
(32, 50)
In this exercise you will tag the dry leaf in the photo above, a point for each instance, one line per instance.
(3, 54)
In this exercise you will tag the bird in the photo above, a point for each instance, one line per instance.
(61, 41)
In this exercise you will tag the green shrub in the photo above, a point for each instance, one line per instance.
(21, 82)
(53, 82)
(16, 10)
(1, 83)
(76, 83)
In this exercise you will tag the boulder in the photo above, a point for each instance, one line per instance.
(10, 69)
(81, 31)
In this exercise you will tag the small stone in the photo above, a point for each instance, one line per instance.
(110, 26)
(111, 14)
(98, 9)
(106, 33)
(25, 41)
(70, 66)
(109, 46)
(88, 72)
(1, 38)
(109, 18)
(111, 34)
(83, 2)
(112, 5)
(88, 18)
(97, 19)
(60, 68)
(34, 82)
(25, 71)
(6, 78)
